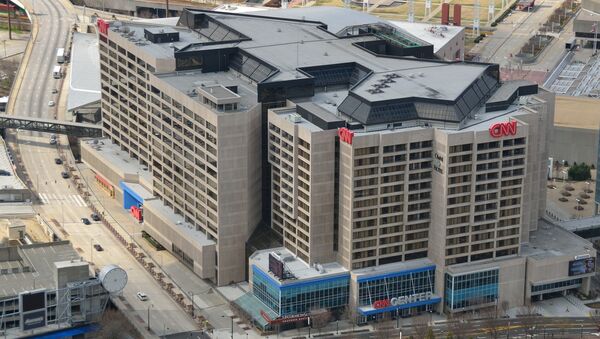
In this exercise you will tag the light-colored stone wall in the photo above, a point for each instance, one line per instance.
(167, 233)
(104, 167)
(239, 190)
(313, 184)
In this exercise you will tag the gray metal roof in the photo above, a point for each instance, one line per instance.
(84, 86)
(551, 240)
(335, 18)
(40, 258)
(278, 45)
(161, 30)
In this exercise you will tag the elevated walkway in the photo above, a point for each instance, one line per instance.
(50, 126)
(586, 227)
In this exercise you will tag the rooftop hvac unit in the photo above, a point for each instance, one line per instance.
(295, 118)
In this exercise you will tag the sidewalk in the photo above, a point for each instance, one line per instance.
(13, 47)
(209, 303)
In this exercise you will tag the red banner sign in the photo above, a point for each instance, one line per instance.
(501, 129)
(381, 304)
(102, 180)
(102, 26)
(292, 318)
(137, 213)
(345, 135)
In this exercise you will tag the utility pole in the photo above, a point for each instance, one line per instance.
(476, 7)
(8, 15)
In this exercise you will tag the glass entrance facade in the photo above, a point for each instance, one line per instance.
(300, 296)
(403, 293)
(471, 290)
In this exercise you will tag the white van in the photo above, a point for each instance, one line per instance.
(57, 73)
(60, 55)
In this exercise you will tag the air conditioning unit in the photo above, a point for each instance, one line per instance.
(295, 118)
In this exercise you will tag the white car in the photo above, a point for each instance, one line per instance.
(142, 296)
(51, 103)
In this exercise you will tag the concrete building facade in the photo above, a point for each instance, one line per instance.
(394, 192)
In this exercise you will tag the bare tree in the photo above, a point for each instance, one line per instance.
(115, 325)
(493, 326)
(319, 318)
(529, 317)
(351, 314)
(595, 315)
(457, 326)
(383, 327)
(421, 327)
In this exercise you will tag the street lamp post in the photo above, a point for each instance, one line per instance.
(151, 305)
(9, 23)
(193, 306)
(595, 36)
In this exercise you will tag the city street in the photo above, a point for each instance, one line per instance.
(512, 34)
(60, 205)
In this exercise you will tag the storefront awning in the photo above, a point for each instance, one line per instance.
(371, 310)
(255, 309)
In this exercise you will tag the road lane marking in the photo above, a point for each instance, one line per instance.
(59, 199)
(44, 198)
(79, 199)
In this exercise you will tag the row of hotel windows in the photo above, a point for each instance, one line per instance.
(487, 145)
(176, 114)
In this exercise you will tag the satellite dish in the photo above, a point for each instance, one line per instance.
(113, 278)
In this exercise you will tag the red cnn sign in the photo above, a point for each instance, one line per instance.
(137, 213)
(345, 135)
(501, 129)
(102, 27)
(381, 304)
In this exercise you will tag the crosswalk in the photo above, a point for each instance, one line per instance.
(67, 199)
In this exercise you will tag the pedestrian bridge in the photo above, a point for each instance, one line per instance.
(74, 129)
(588, 228)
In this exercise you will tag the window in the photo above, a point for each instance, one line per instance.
(374, 289)
(471, 290)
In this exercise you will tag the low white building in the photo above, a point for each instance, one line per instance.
(448, 41)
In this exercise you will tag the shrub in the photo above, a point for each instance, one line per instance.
(580, 172)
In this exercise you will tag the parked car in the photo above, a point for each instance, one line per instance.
(65, 175)
(52, 141)
(95, 216)
(57, 161)
(4, 173)
(51, 103)
(142, 296)
(98, 247)
(86, 221)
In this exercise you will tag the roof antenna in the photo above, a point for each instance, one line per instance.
(298, 59)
